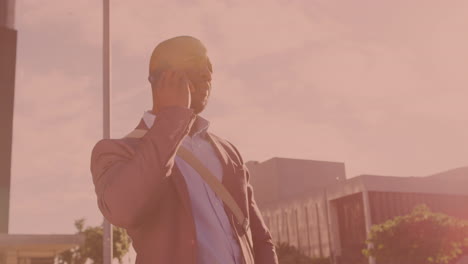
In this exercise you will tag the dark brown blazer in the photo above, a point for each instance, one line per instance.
(139, 188)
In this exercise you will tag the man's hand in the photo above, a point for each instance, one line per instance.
(173, 89)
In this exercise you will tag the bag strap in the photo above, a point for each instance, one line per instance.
(215, 185)
(209, 178)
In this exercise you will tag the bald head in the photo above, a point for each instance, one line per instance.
(176, 53)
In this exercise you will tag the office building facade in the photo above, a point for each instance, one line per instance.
(312, 206)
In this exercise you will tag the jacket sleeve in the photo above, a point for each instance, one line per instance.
(264, 248)
(128, 181)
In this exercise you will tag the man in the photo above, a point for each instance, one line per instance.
(170, 212)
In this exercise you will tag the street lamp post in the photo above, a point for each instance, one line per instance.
(107, 227)
(8, 40)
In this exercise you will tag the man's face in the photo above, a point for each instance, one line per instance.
(199, 71)
(189, 55)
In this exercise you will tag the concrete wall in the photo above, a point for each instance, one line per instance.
(280, 179)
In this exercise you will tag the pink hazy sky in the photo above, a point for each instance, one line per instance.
(379, 85)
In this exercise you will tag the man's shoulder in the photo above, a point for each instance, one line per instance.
(229, 147)
(222, 141)
(116, 145)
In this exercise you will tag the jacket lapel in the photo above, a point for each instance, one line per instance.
(222, 155)
(228, 168)
(230, 180)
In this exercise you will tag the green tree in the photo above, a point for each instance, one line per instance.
(422, 237)
(92, 246)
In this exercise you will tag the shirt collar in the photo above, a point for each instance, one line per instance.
(200, 126)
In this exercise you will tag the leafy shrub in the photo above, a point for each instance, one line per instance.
(421, 237)
(92, 246)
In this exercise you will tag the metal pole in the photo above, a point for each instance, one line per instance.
(8, 47)
(107, 227)
(7, 13)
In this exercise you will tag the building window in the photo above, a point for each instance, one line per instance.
(351, 226)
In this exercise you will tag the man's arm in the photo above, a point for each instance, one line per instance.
(263, 245)
(129, 182)
(264, 248)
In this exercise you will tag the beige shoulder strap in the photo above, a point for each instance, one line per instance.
(215, 185)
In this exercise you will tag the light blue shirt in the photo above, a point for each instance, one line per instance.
(216, 241)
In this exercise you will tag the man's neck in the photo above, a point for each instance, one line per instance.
(155, 111)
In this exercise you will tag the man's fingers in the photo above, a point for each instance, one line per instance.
(184, 83)
(168, 80)
(178, 81)
(173, 89)
(189, 83)
(160, 80)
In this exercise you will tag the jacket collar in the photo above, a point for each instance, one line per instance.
(220, 151)
(200, 126)
(142, 125)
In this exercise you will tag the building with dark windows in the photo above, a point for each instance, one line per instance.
(290, 193)
(312, 206)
